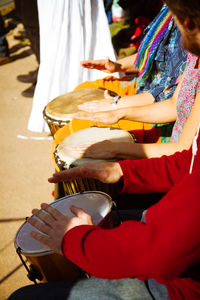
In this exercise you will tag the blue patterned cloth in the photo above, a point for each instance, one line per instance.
(170, 62)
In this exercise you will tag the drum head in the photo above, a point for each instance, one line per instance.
(61, 107)
(65, 158)
(97, 204)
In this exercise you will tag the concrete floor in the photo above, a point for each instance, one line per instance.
(25, 164)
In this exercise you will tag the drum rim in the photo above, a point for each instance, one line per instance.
(49, 251)
(55, 120)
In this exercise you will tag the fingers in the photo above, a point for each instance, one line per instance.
(80, 147)
(45, 218)
(93, 64)
(43, 227)
(44, 239)
(82, 214)
(87, 64)
(78, 151)
(81, 116)
(103, 117)
(52, 211)
(86, 116)
(78, 212)
(65, 175)
(92, 105)
(52, 242)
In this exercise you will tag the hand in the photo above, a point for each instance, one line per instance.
(106, 117)
(101, 150)
(105, 65)
(107, 172)
(53, 225)
(98, 105)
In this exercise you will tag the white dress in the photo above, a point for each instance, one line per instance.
(70, 31)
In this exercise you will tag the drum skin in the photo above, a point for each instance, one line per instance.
(63, 157)
(57, 112)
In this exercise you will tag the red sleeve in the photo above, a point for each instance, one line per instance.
(155, 174)
(162, 248)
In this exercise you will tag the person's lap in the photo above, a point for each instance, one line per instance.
(87, 289)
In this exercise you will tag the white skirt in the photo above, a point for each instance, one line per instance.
(70, 31)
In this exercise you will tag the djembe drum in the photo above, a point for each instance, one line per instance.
(65, 159)
(48, 266)
(57, 112)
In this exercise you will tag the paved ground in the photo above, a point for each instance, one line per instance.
(25, 164)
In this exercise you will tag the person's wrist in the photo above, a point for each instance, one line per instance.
(115, 100)
(118, 67)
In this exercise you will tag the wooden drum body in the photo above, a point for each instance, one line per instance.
(47, 265)
(57, 112)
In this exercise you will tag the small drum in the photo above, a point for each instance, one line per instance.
(57, 111)
(65, 158)
(48, 266)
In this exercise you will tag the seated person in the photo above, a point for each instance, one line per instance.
(160, 61)
(155, 258)
(182, 107)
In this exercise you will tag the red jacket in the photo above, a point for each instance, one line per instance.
(166, 246)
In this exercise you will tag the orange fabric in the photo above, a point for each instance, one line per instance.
(122, 86)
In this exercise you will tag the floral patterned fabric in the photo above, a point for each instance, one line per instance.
(189, 88)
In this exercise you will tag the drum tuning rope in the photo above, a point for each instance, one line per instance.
(33, 273)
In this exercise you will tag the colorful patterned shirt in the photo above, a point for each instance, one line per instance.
(170, 62)
(189, 88)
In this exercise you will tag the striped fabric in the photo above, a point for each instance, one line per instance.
(149, 44)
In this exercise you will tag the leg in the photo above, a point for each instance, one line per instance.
(3, 42)
(87, 289)
(98, 289)
(51, 291)
(29, 16)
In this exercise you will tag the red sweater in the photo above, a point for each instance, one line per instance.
(165, 246)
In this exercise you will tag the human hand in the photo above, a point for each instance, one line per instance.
(99, 105)
(106, 117)
(53, 225)
(106, 172)
(96, 105)
(105, 65)
(101, 150)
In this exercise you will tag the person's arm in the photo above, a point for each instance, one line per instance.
(159, 112)
(163, 112)
(125, 65)
(134, 150)
(132, 107)
(105, 104)
(154, 175)
(134, 176)
(161, 248)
